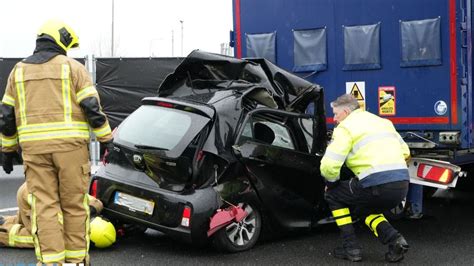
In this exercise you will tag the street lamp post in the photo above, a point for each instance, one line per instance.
(172, 42)
(112, 41)
(182, 38)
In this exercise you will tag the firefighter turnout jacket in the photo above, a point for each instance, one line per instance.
(371, 148)
(42, 108)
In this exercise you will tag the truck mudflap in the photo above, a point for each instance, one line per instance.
(434, 173)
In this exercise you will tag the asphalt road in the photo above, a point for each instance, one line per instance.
(443, 237)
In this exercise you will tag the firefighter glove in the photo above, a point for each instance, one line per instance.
(110, 154)
(331, 185)
(8, 161)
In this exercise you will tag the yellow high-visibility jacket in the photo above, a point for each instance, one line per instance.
(50, 107)
(371, 148)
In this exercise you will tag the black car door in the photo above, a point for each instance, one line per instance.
(274, 146)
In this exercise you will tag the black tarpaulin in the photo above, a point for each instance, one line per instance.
(6, 66)
(310, 50)
(262, 46)
(421, 42)
(362, 47)
(123, 82)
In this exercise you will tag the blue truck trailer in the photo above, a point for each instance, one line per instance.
(409, 61)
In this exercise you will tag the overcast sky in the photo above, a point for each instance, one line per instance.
(142, 27)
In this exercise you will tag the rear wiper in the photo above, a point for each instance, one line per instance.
(147, 147)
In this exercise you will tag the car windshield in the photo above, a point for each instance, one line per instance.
(160, 128)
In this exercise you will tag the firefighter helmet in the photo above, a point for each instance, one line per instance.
(60, 33)
(102, 232)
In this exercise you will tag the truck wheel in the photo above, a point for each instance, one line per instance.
(240, 236)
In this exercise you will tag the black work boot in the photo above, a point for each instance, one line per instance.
(2, 220)
(351, 254)
(396, 249)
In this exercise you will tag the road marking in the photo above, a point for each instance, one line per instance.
(9, 209)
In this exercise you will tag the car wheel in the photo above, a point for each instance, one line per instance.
(240, 236)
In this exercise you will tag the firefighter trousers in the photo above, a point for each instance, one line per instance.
(349, 197)
(16, 231)
(14, 234)
(58, 184)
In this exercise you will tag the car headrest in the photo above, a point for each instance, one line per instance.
(264, 133)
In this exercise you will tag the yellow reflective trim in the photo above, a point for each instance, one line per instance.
(60, 218)
(9, 141)
(30, 199)
(12, 233)
(8, 100)
(24, 239)
(74, 254)
(102, 131)
(20, 90)
(54, 135)
(344, 221)
(340, 212)
(66, 91)
(372, 221)
(85, 93)
(34, 228)
(55, 257)
(88, 218)
(370, 218)
(42, 127)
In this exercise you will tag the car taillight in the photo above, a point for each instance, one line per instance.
(199, 155)
(93, 190)
(185, 221)
(435, 173)
(165, 104)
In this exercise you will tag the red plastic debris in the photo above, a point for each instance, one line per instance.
(224, 217)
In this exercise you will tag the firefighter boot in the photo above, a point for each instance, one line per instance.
(351, 254)
(396, 249)
(349, 250)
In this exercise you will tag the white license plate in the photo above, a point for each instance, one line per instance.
(134, 203)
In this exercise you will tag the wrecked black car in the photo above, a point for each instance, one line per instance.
(225, 150)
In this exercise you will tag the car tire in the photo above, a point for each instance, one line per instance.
(241, 236)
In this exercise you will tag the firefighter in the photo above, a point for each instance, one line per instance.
(49, 106)
(372, 149)
(15, 231)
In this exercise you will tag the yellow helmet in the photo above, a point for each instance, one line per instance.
(60, 33)
(102, 232)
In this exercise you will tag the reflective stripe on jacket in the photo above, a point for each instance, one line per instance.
(371, 148)
(46, 99)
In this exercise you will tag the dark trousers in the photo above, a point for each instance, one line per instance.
(365, 203)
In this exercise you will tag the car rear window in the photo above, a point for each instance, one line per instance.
(161, 127)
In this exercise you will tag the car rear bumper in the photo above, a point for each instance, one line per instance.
(168, 207)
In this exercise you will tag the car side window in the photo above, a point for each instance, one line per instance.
(269, 133)
(282, 136)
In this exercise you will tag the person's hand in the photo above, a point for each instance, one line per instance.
(109, 154)
(8, 161)
(331, 185)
